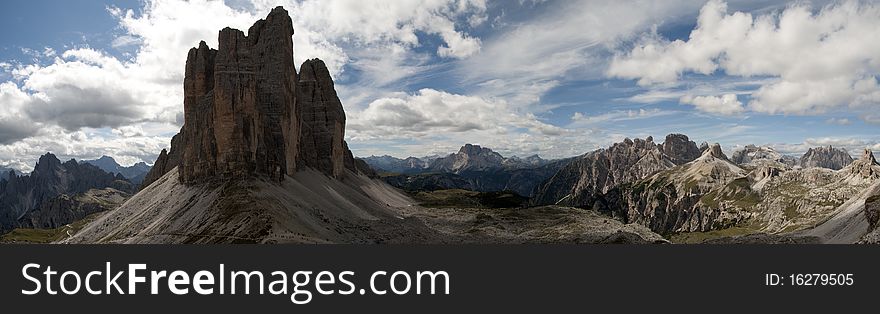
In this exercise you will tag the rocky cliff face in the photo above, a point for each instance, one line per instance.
(323, 127)
(679, 148)
(587, 177)
(469, 158)
(712, 193)
(673, 200)
(239, 103)
(872, 212)
(826, 157)
(752, 155)
(167, 160)
(248, 113)
(28, 201)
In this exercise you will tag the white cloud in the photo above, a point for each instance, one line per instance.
(838, 121)
(85, 144)
(854, 146)
(377, 21)
(85, 88)
(824, 60)
(727, 104)
(14, 124)
(430, 112)
(580, 119)
(567, 41)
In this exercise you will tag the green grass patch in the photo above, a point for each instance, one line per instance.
(699, 237)
(37, 236)
(457, 198)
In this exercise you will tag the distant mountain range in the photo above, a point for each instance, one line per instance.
(57, 193)
(473, 168)
(134, 173)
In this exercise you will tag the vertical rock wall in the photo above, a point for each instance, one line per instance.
(247, 112)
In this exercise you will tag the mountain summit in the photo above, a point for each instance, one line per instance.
(260, 158)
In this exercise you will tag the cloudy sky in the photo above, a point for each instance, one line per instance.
(557, 78)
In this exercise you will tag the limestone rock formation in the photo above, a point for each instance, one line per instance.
(166, 161)
(248, 113)
(323, 127)
(872, 212)
(752, 155)
(239, 103)
(826, 157)
(469, 158)
(45, 197)
(672, 200)
(864, 170)
(679, 148)
(587, 177)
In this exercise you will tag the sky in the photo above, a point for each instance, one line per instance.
(88, 78)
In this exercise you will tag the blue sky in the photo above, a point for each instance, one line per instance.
(556, 78)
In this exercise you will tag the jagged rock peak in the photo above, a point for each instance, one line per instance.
(239, 103)
(247, 112)
(715, 151)
(473, 150)
(47, 162)
(868, 156)
(680, 148)
(826, 157)
(704, 146)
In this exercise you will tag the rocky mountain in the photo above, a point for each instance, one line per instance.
(826, 157)
(671, 200)
(469, 158)
(134, 173)
(6, 170)
(57, 193)
(472, 168)
(872, 216)
(529, 161)
(389, 164)
(756, 191)
(484, 158)
(585, 178)
(521, 179)
(712, 193)
(753, 155)
(260, 158)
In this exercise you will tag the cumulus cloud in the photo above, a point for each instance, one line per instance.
(727, 104)
(14, 124)
(825, 59)
(82, 88)
(84, 144)
(431, 112)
